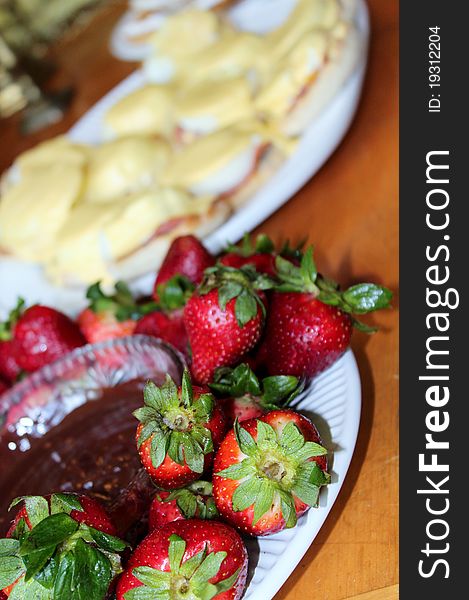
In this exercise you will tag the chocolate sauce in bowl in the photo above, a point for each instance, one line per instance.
(69, 427)
(91, 450)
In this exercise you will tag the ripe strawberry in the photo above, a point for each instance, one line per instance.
(310, 321)
(268, 472)
(224, 318)
(187, 559)
(60, 546)
(195, 500)
(9, 368)
(178, 432)
(261, 255)
(42, 335)
(3, 387)
(109, 317)
(187, 257)
(168, 326)
(245, 397)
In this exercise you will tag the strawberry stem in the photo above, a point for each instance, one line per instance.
(241, 284)
(174, 421)
(277, 468)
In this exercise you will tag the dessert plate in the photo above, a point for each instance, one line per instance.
(318, 142)
(333, 401)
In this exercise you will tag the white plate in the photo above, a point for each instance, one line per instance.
(131, 26)
(316, 145)
(333, 402)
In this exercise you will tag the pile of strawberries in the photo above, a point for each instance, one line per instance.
(255, 304)
(223, 449)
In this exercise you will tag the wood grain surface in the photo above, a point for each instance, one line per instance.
(349, 211)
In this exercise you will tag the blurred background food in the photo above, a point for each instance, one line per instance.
(24, 23)
(27, 27)
(218, 110)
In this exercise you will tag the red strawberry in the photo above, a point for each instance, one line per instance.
(242, 408)
(224, 318)
(42, 335)
(261, 255)
(63, 543)
(194, 559)
(9, 368)
(178, 432)
(263, 263)
(3, 387)
(168, 326)
(195, 500)
(109, 317)
(309, 325)
(186, 256)
(268, 472)
(167, 323)
(245, 397)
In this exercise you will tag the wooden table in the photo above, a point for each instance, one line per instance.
(350, 210)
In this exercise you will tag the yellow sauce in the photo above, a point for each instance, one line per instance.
(205, 156)
(97, 234)
(46, 153)
(307, 15)
(232, 55)
(292, 74)
(124, 166)
(32, 212)
(147, 111)
(185, 33)
(215, 103)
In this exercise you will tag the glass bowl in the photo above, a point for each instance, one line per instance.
(69, 426)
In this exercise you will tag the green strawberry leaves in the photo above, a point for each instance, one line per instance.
(40, 543)
(195, 500)
(366, 297)
(271, 392)
(6, 327)
(175, 423)
(242, 284)
(177, 547)
(105, 541)
(358, 299)
(58, 558)
(64, 503)
(174, 293)
(262, 245)
(31, 589)
(236, 382)
(245, 440)
(189, 578)
(11, 565)
(277, 468)
(83, 573)
(37, 507)
(309, 480)
(121, 303)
